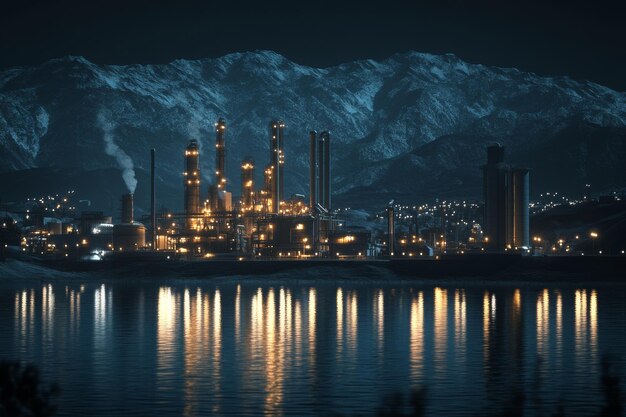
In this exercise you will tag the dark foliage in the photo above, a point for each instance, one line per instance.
(22, 393)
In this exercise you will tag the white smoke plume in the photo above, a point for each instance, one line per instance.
(110, 147)
(195, 131)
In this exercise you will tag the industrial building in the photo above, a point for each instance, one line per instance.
(277, 164)
(262, 222)
(506, 194)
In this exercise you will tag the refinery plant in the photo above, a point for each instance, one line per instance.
(264, 223)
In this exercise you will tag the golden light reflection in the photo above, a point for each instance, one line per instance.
(100, 317)
(593, 321)
(543, 321)
(216, 360)
(379, 316)
(489, 310)
(47, 311)
(74, 297)
(339, 311)
(256, 319)
(517, 301)
(24, 318)
(559, 322)
(167, 317)
(274, 353)
(31, 314)
(24, 314)
(238, 314)
(417, 337)
(580, 321)
(352, 317)
(193, 347)
(460, 320)
(312, 323)
(440, 325)
(298, 331)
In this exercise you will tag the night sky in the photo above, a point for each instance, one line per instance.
(585, 40)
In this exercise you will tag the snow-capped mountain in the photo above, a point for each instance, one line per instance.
(413, 126)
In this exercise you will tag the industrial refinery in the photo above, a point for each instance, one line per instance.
(264, 223)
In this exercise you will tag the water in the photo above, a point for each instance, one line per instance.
(300, 348)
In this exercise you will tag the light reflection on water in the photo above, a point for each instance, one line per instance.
(264, 349)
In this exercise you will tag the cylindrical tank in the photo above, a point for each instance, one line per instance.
(127, 208)
(129, 236)
(55, 228)
(519, 204)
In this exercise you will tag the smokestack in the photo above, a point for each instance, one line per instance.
(277, 160)
(127, 208)
(192, 183)
(326, 136)
(153, 199)
(220, 156)
(323, 170)
(312, 169)
(391, 229)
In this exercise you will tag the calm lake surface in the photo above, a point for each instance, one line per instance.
(313, 347)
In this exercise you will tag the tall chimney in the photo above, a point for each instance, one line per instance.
(327, 194)
(127, 208)
(153, 199)
(220, 167)
(391, 229)
(192, 183)
(312, 169)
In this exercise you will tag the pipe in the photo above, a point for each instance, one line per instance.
(153, 199)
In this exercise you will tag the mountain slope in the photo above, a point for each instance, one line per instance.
(413, 126)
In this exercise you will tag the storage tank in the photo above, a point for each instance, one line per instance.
(129, 236)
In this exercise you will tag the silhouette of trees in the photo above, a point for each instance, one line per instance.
(22, 393)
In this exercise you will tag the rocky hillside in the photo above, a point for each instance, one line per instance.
(411, 127)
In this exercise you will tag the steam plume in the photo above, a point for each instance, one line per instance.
(110, 147)
(200, 135)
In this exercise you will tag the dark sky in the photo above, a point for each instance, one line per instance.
(582, 39)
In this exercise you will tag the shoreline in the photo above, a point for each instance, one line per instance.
(489, 268)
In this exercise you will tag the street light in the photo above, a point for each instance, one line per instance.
(594, 236)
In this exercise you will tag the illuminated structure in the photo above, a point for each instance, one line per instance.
(323, 163)
(192, 184)
(264, 223)
(506, 193)
(218, 201)
(266, 193)
(391, 229)
(277, 161)
(127, 235)
(247, 185)
(153, 221)
(319, 169)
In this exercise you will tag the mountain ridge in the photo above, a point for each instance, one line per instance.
(412, 114)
